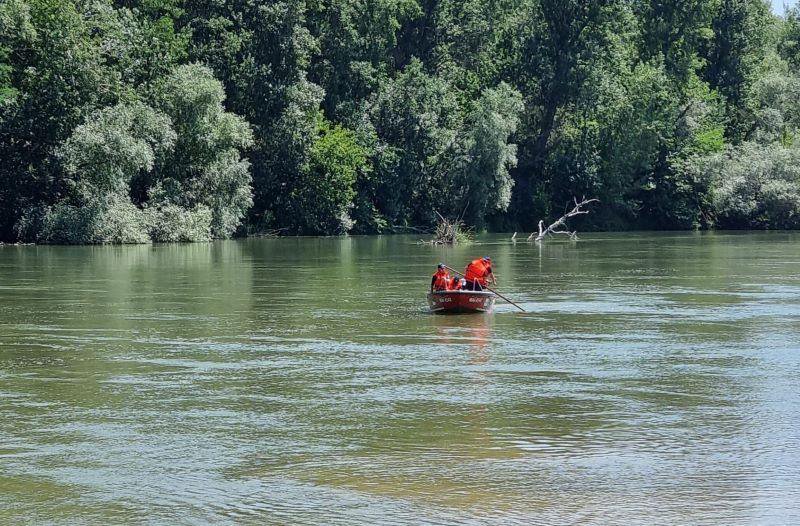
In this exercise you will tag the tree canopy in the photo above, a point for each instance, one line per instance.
(186, 120)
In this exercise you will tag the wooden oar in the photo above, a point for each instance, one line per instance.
(454, 271)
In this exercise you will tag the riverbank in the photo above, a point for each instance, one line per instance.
(426, 237)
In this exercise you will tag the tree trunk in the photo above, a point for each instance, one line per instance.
(562, 221)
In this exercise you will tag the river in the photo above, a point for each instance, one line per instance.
(654, 380)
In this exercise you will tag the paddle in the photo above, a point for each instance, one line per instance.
(454, 271)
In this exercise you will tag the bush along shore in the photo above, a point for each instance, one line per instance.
(169, 120)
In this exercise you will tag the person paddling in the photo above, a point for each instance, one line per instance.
(441, 279)
(479, 273)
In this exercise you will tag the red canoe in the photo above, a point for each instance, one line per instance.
(447, 301)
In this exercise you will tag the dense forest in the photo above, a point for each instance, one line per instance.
(185, 120)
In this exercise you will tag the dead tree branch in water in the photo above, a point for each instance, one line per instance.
(449, 232)
(560, 225)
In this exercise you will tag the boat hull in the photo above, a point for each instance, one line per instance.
(460, 301)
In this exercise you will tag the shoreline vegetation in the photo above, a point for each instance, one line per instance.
(132, 121)
(430, 241)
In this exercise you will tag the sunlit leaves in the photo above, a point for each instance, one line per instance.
(206, 167)
(105, 153)
(323, 196)
(756, 186)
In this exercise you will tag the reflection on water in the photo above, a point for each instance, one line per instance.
(653, 380)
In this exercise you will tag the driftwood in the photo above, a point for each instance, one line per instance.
(560, 225)
(449, 232)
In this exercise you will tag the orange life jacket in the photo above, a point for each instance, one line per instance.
(477, 270)
(441, 280)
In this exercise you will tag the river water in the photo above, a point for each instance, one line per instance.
(654, 380)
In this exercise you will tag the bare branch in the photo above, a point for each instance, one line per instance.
(560, 223)
(448, 232)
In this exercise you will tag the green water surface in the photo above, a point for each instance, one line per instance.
(654, 380)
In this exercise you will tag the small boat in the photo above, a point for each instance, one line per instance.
(458, 301)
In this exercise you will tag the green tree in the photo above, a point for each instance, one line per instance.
(114, 146)
(366, 115)
(283, 156)
(756, 186)
(58, 77)
(672, 32)
(417, 119)
(356, 39)
(139, 44)
(100, 219)
(186, 157)
(262, 52)
(323, 195)
(735, 52)
(206, 166)
(789, 37)
(469, 42)
(7, 92)
(100, 159)
(558, 46)
(776, 95)
(486, 187)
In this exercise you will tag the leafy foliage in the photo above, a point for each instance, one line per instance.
(186, 120)
(789, 38)
(98, 220)
(417, 119)
(205, 167)
(171, 223)
(756, 186)
(324, 194)
(486, 183)
(113, 146)
(182, 162)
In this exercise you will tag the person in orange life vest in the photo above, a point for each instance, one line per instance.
(479, 273)
(458, 283)
(441, 279)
